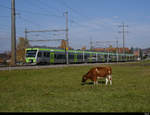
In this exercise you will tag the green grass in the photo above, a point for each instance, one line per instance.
(60, 90)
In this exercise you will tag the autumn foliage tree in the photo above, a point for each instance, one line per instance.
(83, 48)
(20, 50)
(64, 44)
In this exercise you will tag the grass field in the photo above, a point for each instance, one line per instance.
(60, 90)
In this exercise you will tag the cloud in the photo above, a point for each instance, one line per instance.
(115, 17)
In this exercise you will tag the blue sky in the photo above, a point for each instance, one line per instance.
(95, 20)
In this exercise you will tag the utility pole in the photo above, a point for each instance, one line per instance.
(13, 34)
(67, 39)
(91, 44)
(117, 51)
(123, 35)
(25, 32)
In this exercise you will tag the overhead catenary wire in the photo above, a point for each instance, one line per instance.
(72, 9)
(48, 6)
(31, 12)
(46, 14)
(45, 40)
(43, 6)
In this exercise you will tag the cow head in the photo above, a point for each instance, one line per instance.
(84, 78)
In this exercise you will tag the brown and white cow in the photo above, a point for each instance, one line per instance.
(97, 73)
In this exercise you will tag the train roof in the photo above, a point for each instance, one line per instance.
(75, 51)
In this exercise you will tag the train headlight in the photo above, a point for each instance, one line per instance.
(31, 61)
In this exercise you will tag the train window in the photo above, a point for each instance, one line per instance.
(86, 56)
(63, 56)
(60, 56)
(79, 56)
(40, 54)
(55, 56)
(31, 53)
(46, 54)
(71, 56)
(101, 56)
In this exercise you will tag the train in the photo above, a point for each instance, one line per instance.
(37, 56)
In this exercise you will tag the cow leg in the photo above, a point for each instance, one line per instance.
(97, 82)
(110, 79)
(106, 80)
(94, 82)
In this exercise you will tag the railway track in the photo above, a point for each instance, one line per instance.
(54, 66)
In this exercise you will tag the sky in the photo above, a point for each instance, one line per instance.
(88, 20)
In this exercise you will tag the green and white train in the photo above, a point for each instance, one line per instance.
(58, 56)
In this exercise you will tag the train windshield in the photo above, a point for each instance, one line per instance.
(31, 53)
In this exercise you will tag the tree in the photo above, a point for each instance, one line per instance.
(21, 46)
(64, 45)
(22, 43)
(83, 48)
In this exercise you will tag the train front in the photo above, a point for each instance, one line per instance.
(31, 56)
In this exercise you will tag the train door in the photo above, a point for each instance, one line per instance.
(86, 56)
(52, 57)
(102, 58)
(113, 58)
(90, 58)
(75, 57)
